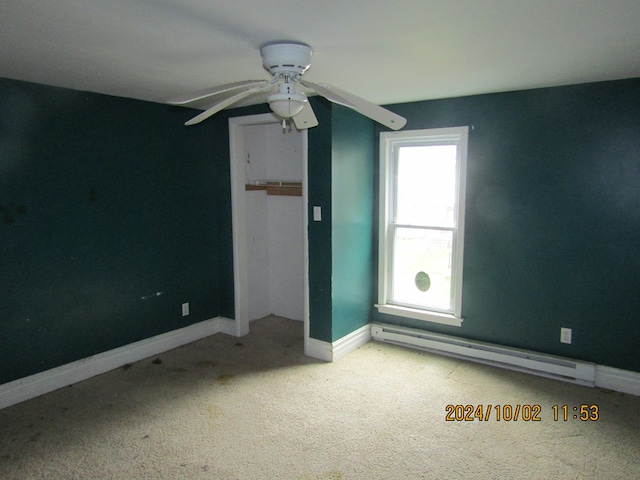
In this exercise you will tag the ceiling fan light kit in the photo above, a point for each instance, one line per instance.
(287, 102)
(287, 62)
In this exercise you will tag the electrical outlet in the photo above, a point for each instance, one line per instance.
(185, 309)
(565, 335)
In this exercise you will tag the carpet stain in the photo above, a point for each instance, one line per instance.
(224, 379)
(334, 476)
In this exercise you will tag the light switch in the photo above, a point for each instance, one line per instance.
(317, 214)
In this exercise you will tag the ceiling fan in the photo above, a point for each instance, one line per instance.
(287, 61)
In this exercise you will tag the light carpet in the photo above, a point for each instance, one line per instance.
(257, 408)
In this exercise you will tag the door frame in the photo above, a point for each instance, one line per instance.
(239, 220)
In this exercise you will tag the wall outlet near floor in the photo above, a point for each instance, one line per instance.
(185, 309)
(565, 335)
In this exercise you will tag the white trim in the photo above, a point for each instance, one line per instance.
(458, 253)
(44, 382)
(318, 349)
(305, 235)
(238, 216)
(38, 384)
(351, 342)
(389, 144)
(332, 352)
(238, 211)
(434, 317)
(384, 194)
(619, 380)
(228, 327)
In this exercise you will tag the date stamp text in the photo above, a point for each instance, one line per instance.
(519, 413)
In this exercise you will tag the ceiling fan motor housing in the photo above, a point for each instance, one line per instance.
(290, 59)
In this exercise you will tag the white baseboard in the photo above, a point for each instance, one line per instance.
(44, 382)
(619, 380)
(40, 383)
(351, 342)
(318, 349)
(229, 327)
(332, 352)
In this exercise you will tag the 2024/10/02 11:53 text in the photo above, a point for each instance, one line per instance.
(517, 412)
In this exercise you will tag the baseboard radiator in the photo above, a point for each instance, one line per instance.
(560, 368)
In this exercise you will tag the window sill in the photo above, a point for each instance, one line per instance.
(416, 314)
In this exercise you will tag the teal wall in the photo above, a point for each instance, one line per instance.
(103, 203)
(319, 233)
(552, 218)
(351, 220)
(340, 180)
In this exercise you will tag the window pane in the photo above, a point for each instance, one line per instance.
(421, 273)
(426, 185)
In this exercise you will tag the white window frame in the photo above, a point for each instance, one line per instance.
(390, 142)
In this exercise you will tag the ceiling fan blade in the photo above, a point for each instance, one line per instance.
(327, 92)
(210, 92)
(306, 118)
(225, 103)
(375, 112)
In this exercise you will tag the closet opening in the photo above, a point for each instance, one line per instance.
(269, 213)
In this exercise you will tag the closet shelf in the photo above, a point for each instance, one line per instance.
(290, 189)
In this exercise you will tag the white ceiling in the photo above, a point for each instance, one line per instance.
(385, 51)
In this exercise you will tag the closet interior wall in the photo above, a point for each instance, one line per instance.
(275, 226)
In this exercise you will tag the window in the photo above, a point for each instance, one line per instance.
(422, 188)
